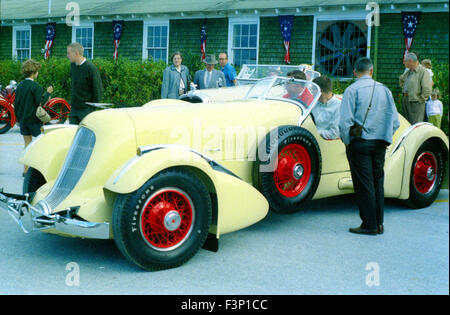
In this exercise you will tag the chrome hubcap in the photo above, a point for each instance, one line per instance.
(298, 171)
(172, 220)
(430, 174)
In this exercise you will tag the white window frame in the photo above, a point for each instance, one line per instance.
(154, 22)
(84, 25)
(354, 16)
(242, 20)
(14, 43)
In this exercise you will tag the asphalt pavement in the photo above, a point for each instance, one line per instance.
(309, 252)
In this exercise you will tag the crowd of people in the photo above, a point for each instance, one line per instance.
(365, 119)
(176, 76)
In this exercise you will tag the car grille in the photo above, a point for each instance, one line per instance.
(74, 166)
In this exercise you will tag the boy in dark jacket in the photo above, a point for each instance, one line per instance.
(29, 95)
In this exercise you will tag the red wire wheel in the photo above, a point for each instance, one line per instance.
(167, 219)
(154, 226)
(293, 170)
(288, 168)
(5, 119)
(58, 111)
(425, 172)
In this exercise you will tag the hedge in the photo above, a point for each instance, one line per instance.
(133, 83)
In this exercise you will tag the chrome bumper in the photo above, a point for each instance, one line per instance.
(30, 218)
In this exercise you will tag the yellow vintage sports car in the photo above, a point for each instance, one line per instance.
(161, 178)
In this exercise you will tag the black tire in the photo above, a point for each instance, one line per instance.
(300, 148)
(135, 227)
(427, 172)
(5, 121)
(32, 181)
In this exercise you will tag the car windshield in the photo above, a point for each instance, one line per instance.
(249, 74)
(302, 92)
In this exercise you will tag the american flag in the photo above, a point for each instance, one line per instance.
(203, 40)
(410, 21)
(117, 26)
(286, 22)
(50, 36)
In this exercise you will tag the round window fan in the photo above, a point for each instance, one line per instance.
(340, 45)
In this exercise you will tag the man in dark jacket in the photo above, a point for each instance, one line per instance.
(86, 84)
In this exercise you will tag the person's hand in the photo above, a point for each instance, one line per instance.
(50, 89)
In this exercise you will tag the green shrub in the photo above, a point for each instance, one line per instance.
(340, 86)
(125, 83)
(440, 79)
(10, 70)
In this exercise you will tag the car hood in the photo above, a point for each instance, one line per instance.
(208, 127)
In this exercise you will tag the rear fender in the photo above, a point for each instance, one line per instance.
(410, 141)
(56, 100)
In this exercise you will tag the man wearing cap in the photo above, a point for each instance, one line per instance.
(209, 78)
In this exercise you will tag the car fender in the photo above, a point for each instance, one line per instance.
(47, 152)
(238, 204)
(410, 141)
(57, 100)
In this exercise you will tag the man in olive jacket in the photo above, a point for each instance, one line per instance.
(86, 84)
(416, 88)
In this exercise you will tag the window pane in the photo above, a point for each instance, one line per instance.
(245, 29)
(252, 54)
(149, 33)
(88, 53)
(164, 31)
(253, 29)
(236, 41)
(19, 42)
(157, 42)
(244, 41)
(237, 29)
(164, 41)
(237, 57)
(252, 41)
(244, 55)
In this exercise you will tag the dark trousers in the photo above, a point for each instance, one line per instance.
(414, 112)
(366, 159)
(77, 115)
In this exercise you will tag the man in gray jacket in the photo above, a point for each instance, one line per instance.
(209, 78)
(366, 153)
